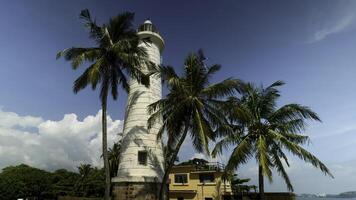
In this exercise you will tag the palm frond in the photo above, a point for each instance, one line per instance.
(169, 75)
(290, 126)
(280, 169)
(114, 82)
(202, 131)
(78, 55)
(213, 69)
(121, 27)
(122, 79)
(91, 75)
(294, 111)
(224, 144)
(95, 31)
(276, 84)
(240, 155)
(302, 153)
(225, 88)
(263, 157)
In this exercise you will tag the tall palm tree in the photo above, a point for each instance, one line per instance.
(191, 106)
(116, 54)
(263, 131)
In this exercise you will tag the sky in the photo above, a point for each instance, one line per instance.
(308, 44)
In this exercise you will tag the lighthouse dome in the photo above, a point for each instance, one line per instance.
(148, 21)
(148, 26)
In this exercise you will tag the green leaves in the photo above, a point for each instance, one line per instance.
(23, 181)
(192, 106)
(302, 153)
(266, 131)
(193, 99)
(262, 156)
(280, 169)
(85, 14)
(202, 133)
(78, 55)
(116, 56)
(241, 154)
(293, 112)
(227, 87)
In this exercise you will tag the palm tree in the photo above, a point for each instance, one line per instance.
(263, 131)
(114, 158)
(84, 171)
(236, 183)
(191, 106)
(117, 51)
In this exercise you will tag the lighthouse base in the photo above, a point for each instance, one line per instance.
(135, 190)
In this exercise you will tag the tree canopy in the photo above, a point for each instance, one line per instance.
(265, 132)
(23, 181)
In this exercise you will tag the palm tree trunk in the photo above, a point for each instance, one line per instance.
(105, 152)
(261, 183)
(169, 166)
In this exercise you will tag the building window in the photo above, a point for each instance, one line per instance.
(180, 178)
(142, 157)
(206, 178)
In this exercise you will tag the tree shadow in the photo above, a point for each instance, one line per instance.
(149, 187)
(131, 101)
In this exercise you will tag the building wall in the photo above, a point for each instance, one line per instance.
(136, 136)
(194, 189)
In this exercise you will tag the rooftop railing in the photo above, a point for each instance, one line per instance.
(210, 166)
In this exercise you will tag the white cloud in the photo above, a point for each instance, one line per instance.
(55, 144)
(336, 27)
(203, 156)
(11, 119)
(218, 158)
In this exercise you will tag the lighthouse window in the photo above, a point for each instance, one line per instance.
(142, 157)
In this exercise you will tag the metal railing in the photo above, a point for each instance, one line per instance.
(148, 27)
(210, 166)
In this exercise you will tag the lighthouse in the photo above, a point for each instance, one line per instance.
(141, 159)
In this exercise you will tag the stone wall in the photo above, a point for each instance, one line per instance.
(135, 191)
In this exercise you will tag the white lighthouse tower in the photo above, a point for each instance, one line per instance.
(141, 162)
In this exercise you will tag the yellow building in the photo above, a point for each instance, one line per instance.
(198, 180)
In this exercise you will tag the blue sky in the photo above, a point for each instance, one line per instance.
(308, 44)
